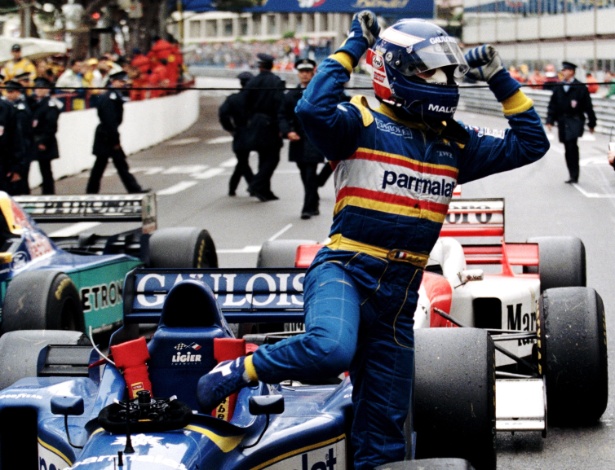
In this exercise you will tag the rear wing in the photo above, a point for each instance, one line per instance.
(473, 222)
(92, 208)
(244, 295)
(479, 225)
(474, 218)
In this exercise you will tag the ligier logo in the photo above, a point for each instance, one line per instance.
(186, 353)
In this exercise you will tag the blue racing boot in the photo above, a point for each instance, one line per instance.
(223, 380)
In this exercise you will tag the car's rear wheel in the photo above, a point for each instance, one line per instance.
(42, 300)
(20, 351)
(279, 253)
(572, 353)
(454, 395)
(562, 262)
(182, 247)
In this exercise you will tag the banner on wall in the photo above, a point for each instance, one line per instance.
(405, 8)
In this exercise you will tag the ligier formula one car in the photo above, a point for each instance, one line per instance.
(140, 412)
(75, 282)
(548, 326)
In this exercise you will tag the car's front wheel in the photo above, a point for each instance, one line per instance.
(572, 352)
(454, 395)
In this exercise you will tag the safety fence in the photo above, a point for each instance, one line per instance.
(473, 98)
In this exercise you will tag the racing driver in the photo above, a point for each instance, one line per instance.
(396, 167)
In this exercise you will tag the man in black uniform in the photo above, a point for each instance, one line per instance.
(301, 150)
(569, 104)
(107, 137)
(233, 118)
(45, 114)
(23, 143)
(264, 95)
(8, 163)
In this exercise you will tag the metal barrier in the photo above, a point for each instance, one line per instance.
(473, 98)
(481, 100)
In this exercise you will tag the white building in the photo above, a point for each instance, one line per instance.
(531, 32)
(536, 32)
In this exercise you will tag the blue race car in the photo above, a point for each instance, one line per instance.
(137, 408)
(74, 282)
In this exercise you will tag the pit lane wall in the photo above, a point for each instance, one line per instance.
(145, 124)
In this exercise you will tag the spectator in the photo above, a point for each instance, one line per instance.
(18, 182)
(536, 79)
(610, 81)
(24, 80)
(10, 166)
(107, 138)
(233, 118)
(301, 150)
(264, 95)
(568, 106)
(45, 113)
(18, 65)
(592, 83)
(551, 77)
(71, 82)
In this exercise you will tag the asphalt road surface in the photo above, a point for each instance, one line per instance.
(190, 175)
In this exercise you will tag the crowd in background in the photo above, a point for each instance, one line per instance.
(240, 55)
(78, 81)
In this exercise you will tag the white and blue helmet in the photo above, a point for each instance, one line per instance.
(414, 66)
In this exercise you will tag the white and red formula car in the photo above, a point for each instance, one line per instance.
(548, 326)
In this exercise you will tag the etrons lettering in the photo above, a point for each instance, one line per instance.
(418, 185)
(442, 109)
(182, 358)
(101, 296)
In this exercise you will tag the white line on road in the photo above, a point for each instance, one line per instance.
(176, 188)
(74, 229)
(208, 173)
(592, 195)
(220, 140)
(230, 163)
(285, 229)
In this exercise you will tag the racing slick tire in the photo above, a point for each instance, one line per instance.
(572, 354)
(562, 262)
(279, 253)
(42, 300)
(20, 351)
(454, 395)
(182, 247)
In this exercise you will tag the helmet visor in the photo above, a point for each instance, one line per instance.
(434, 56)
(410, 54)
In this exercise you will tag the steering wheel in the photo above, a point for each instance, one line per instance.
(145, 414)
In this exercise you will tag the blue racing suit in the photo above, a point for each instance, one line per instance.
(394, 180)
